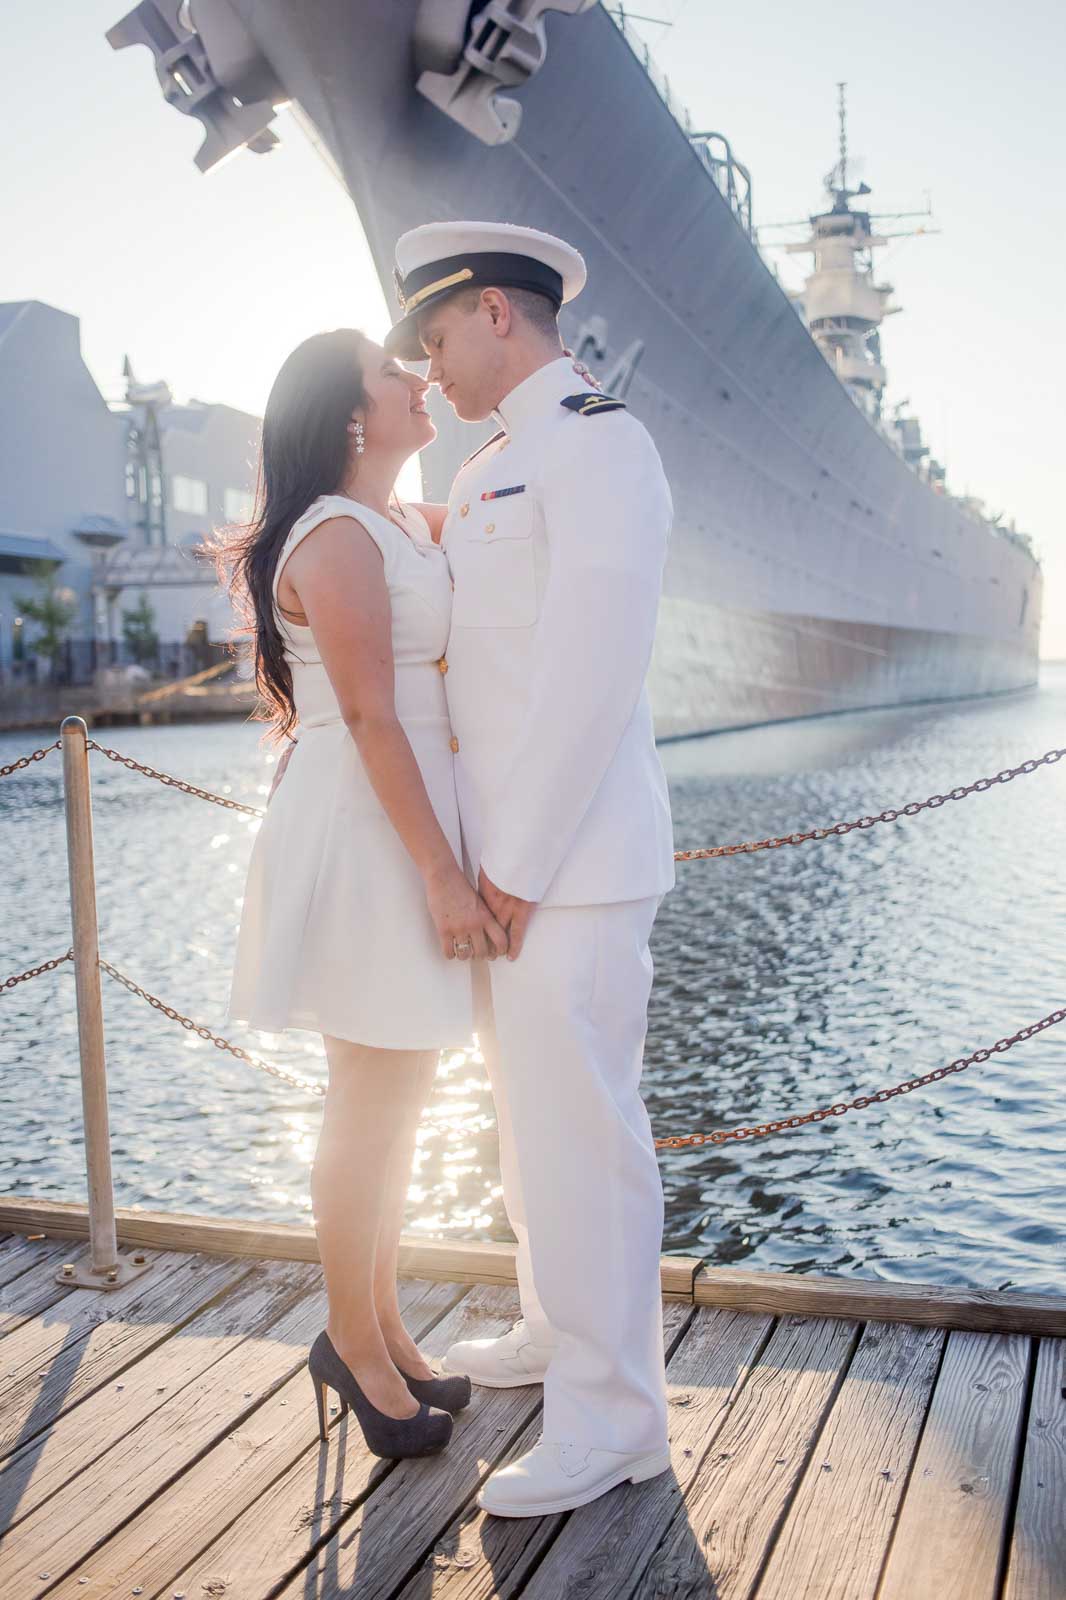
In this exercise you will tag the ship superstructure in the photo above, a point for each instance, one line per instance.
(817, 562)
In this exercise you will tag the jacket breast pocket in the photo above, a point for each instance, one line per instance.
(492, 560)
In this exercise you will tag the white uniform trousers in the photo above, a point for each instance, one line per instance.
(562, 1031)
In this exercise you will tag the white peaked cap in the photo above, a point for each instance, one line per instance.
(434, 260)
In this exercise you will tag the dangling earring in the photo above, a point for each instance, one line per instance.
(360, 436)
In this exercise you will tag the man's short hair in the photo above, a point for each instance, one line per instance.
(537, 309)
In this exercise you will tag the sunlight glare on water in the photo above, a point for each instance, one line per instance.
(784, 981)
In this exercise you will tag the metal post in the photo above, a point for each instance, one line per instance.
(105, 1269)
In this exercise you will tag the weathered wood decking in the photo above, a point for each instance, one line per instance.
(161, 1440)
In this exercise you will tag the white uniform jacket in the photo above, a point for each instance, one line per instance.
(562, 795)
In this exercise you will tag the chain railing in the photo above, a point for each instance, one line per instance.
(27, 761)
(708, 853)
(35, 972)
(293, 1079)
(678, 1141)
(674, 1142)
(891, 814)
(176, 783)
(839, 1108)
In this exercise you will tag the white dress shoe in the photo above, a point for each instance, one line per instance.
(503, 1363)
(560, 1476)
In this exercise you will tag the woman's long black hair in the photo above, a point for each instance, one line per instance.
(303, 454)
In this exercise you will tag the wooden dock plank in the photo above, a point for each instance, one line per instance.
(950, 1532)
(52, 1362)
(866, 1299)
(173, 1484)
(19, 1253)
(833, 1541)
(683, 1277)
(79, 1437)
(290, 1241)
(396, 1528)
(35, 1288)
(601, 1548)
(717, 1540)
(146, 1458)
(1036, 1567)
(221, 1487)
(452, 1261)
(366, 1513)
(481, 1555)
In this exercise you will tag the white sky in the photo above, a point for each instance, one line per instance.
(210, 281)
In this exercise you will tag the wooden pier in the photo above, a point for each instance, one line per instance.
(112, 702)
(832, 1439)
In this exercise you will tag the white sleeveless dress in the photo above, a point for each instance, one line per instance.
(335, 933)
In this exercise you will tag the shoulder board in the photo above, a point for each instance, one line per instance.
(484, 446)
(590, 404)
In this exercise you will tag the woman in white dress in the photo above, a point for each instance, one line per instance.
(358, 920)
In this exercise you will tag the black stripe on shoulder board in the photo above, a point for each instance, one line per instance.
(592, 404)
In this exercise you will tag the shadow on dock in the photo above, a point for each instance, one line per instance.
(161, 1438)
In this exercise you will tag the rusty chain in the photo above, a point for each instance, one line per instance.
(718, 1136)
(889, 815)
(137, 766)
(175, 783)
(708, 853)
(294, 1080)
(26, 761)
(35, 972)
(838, 1109)
(674, 1142)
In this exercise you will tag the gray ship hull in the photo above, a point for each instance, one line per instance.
(811, 570)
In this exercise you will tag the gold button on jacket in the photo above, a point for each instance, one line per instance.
(455, 745)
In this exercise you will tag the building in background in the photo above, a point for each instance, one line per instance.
(113, 499)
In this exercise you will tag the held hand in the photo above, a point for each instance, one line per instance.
(280, 773)
(459, 915)
(510, 912)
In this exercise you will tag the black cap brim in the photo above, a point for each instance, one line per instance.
(402, 339)
(482, 269)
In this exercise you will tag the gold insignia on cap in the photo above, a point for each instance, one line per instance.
(432, 288)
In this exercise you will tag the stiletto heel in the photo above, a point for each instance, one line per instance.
(424, 1434)
(320, 1396)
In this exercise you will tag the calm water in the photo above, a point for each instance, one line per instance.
(784, 981)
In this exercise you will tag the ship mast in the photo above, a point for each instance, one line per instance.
(841, 303)
(843, 307)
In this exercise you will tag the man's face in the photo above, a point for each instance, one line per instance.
(466, 352)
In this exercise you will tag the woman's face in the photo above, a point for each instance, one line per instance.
(396, 419)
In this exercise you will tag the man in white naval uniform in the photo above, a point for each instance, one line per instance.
(556, 535)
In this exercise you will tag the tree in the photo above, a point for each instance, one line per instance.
(138, 630)
(52, 608)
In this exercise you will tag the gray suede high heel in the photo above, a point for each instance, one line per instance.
(394, 1438)
(450, 1393)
